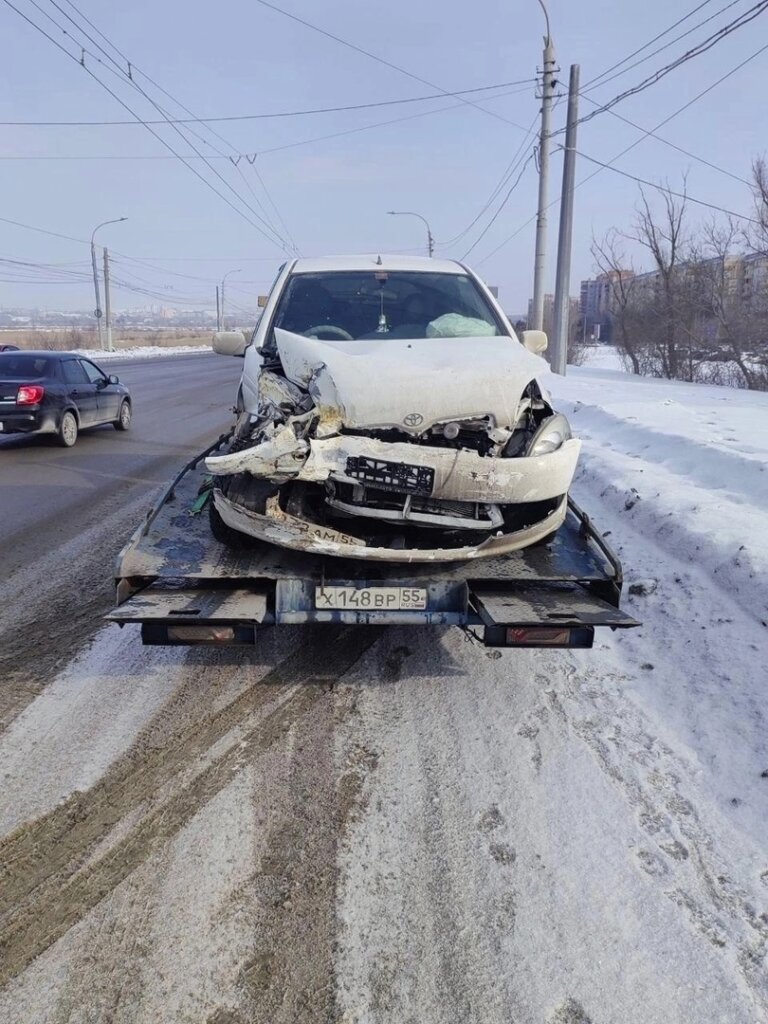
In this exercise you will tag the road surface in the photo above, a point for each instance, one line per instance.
(361, 827)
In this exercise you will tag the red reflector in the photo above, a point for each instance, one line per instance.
(545, 635)
(30, 394)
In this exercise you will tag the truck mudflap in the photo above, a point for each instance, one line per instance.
(184, 587)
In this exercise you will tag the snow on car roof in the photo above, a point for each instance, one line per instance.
(318, 264)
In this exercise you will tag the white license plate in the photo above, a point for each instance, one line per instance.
(371, 598)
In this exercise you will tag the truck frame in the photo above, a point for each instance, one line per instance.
(185, 587)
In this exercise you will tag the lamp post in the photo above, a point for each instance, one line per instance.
(96, 274)
(540, 257)
(223, 322)
(409, 213)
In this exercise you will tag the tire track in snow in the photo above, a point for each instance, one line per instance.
(48, 883)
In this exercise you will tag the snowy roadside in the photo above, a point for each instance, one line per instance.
(141, 352)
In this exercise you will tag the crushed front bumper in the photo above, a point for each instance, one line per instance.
(288, 531)
(455, 474)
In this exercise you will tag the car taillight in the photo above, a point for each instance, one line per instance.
(30, 394)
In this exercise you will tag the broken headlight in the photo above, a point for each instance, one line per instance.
(552, 433)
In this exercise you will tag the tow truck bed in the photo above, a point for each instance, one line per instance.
(184, 587)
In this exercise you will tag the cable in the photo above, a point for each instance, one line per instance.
(672, 145)
(43, 231)
(266, 220)
(595, 82)
(665, 188)
(504, 202)
(703, 47)
(637, 142)
(508, 172)
(268, 116)
(379, 60)
(160, 139)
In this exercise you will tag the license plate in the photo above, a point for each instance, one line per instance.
(371, 598)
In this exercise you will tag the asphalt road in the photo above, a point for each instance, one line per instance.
(67, 512)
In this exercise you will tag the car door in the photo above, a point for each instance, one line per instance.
(82, 392)
(107, 397)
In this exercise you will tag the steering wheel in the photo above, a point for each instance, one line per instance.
(338, 332)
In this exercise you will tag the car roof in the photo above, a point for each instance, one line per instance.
(374, 261)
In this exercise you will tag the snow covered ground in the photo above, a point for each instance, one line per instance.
(140, 352)
(416, 828)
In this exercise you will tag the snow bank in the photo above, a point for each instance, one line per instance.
(144, 352)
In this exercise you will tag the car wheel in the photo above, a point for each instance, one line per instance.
(67, 430)
(123, 421)
(232, 539)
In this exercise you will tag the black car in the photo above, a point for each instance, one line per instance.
(58, 393)
(9, 348)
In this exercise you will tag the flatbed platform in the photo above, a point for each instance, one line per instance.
(184, 586)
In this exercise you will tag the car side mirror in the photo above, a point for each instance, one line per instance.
(114, 379)
(535, 341)
(229, 343)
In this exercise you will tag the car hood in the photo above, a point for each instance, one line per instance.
(411, 385)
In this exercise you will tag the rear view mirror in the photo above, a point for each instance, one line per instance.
(535, 341)
(114, 379)
(263, 300)
(229, 343)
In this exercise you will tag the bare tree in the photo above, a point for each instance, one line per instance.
(610, 257)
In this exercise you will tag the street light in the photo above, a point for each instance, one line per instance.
(96, 273)
(223, 325)
(409, 213)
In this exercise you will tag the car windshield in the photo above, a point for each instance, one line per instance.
(370, 304)
(24, 365)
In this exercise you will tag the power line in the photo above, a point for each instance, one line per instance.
(595, 82)
(266, 116)
(43, 231)
(507, 174)
(378, 59)
(637, 142)
(160, 139)
(665, 189)
(672, 145)
(504, 202)
(696, 51)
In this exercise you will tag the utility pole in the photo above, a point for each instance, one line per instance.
(559, 349)
(548, 84)
(107, 306)
(218, 310)
(97, 311)
(223, 281)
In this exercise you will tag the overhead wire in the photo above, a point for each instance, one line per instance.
(603, 79)
(703, 47)
(138, 118)
(377, 58)
(645, 135)
(350, 107)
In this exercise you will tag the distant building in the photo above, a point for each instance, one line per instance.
(597, 304)
(548, 320)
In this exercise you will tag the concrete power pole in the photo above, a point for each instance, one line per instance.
(561, 326)
(97, 311)
(540, 258)
(107, 305)
(218, 310)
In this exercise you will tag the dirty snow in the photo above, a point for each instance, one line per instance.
(141, 352)
(419, 829)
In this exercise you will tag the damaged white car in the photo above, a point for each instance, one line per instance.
(387, 411)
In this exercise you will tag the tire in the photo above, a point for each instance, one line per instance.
(232, 539)
(123, 420)
(68, 429)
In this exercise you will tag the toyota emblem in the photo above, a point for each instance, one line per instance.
(413, 419)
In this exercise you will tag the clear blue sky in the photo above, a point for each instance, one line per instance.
(238, 57)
